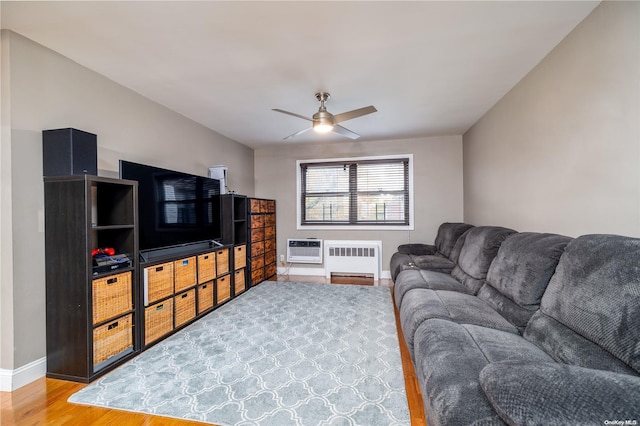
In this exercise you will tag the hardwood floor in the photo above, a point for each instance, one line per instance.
(44, 401)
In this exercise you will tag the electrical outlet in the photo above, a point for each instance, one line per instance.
(282, 258)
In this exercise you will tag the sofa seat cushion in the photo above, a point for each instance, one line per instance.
(528, 393)
(449, 358)
(418, 278)
(420, 305)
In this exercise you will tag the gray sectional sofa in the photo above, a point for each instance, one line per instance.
(527, 328)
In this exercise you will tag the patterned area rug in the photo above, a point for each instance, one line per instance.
(281, 354)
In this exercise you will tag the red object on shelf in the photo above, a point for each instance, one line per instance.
(109, 251)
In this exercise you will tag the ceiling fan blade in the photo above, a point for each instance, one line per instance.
(291, 113)
(354, 113)
(297, 133)
(345, 132)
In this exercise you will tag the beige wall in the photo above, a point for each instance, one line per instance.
(561, 151)
(437, 180)
(50, 91)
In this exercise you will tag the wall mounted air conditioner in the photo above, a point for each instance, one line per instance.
(304, 250)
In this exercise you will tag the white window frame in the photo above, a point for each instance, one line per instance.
(410, 226)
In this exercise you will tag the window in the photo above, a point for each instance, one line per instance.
(355, 192)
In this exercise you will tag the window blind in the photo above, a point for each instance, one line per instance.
(361, 192)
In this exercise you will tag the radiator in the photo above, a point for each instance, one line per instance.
(353, 257)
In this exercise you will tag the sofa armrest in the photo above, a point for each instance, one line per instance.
(534, 393)
(417, 249)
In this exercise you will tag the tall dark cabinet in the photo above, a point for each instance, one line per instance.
(262, 239)
(92, 311)
(233, 210)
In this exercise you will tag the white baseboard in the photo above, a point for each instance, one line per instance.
(11, 380)
(317, 272)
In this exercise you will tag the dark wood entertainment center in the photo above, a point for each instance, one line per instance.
(97, 320)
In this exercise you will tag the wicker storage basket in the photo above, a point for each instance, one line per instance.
(223, 289)
(185, 304)
(112, 338)
(184, 271)
(222, 261)
(206, 267)
(158, 282)
(205, 297)
(239, 257)
(111, 296)
(158, 320)
(239, 281)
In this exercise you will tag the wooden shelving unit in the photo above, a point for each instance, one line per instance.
(91, 314)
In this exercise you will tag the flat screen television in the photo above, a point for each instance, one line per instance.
(174, 208)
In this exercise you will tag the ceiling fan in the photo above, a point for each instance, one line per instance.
(324, 122)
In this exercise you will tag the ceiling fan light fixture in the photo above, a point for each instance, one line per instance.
(323, 122)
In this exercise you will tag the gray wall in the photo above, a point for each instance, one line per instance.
(437, 181)
(561, 151)
(44, 90)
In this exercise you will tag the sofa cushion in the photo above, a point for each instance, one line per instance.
(528, 393)
(480, 248)
(420, 305)
(449, 358)
(420, 278)
(448, 234)
(434, 263)
(589, 313)
(520, 273)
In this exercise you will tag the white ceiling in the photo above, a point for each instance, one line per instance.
(429, 67)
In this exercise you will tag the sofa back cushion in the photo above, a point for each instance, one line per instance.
(448, 234)
(480, 247)
(589, 314)
(520, 273)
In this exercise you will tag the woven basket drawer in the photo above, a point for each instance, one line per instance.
(206, 267)
(269, 232)
(222, 261)
(205, 297)
(185, 273)
(111, 296)
(158, 282)
(239, 257)
(257, 275)
(238, 281)
(185, 304)
(158, 320)
(257, 234)
(224, 289)
(112, 338)
(270, 270)
(254, 205)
